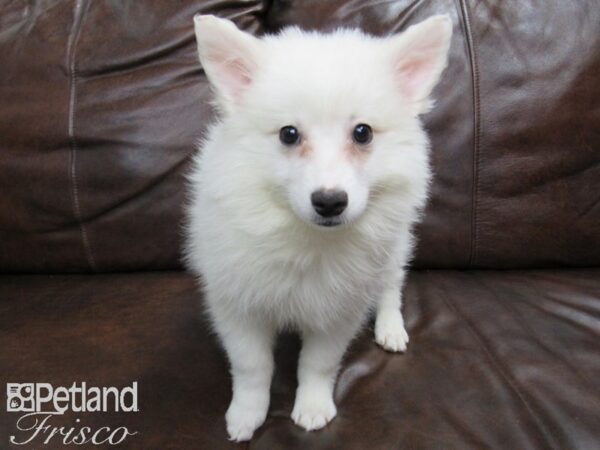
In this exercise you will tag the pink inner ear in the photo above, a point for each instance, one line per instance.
(236, 77)
(414, 75)
(240, 72)
(233, 73)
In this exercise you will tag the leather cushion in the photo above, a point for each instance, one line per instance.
(497, 359)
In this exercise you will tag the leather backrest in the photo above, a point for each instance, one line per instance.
(101, 105)
(103, 102)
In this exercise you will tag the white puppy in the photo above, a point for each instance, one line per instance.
(304, 195)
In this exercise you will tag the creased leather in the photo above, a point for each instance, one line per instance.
(515, 133)
(497, 359)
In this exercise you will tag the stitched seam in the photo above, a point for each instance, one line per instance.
(73, 38)
(506, 376)
(476, 132)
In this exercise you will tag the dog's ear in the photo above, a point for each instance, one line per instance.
(229, 56)
(419, 57)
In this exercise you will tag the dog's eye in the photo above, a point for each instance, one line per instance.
(362, 134)
(289, 135)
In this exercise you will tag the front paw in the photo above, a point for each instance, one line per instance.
(242, 420)
(390, 332)
(313, 411)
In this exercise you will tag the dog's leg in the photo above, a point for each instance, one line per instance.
(249, 347)
(317, 369)
(389, 323)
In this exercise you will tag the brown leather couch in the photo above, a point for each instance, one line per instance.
(101, 104)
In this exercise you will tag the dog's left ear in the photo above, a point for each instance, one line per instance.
(419, 56)
(229, 56)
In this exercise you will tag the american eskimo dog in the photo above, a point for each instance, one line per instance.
(303, 197)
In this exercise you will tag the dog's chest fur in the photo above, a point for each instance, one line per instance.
(295, 276)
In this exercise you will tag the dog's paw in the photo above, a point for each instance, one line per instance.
(243, 421)
(390, 332)
(313, 412)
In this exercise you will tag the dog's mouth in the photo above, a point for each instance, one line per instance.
(330, 222)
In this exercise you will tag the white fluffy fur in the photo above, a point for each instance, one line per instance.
(251, 235)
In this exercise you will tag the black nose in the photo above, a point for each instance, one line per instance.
(328, 202)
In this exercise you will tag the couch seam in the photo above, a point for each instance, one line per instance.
(71, 46)
(475, 80)
(499, 367)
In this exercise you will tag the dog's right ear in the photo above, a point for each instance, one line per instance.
(229, 56)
